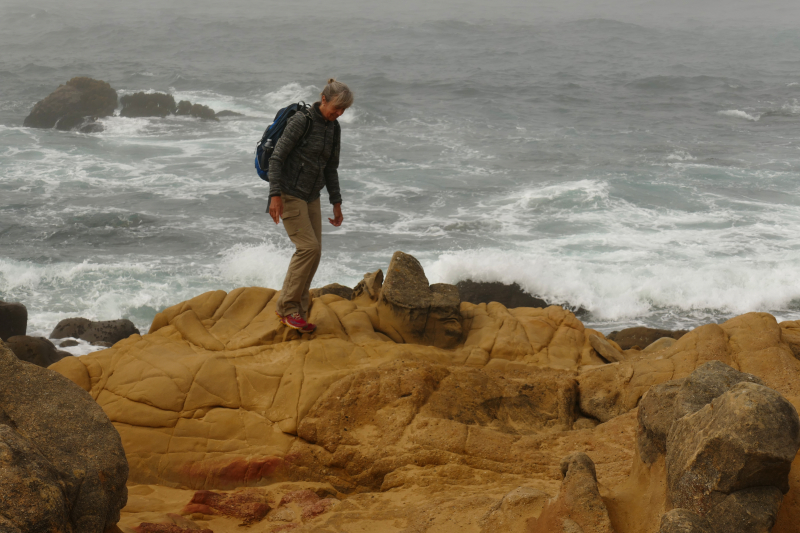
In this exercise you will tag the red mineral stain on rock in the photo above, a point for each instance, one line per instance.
(287, 527)
(249, 506)
(147, 527)
(198, 508)
(234, 473)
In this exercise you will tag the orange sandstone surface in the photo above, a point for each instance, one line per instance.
(407, 410)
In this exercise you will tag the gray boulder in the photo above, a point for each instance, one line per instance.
(36, 350)
(745, 438)
(69, 105)
(111, 331)
(665, 403)
(62, 465)
(752, 510)
(13, 319)
(684, 521)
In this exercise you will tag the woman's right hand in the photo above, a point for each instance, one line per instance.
(276, 208)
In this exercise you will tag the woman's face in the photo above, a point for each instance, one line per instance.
(330, 111)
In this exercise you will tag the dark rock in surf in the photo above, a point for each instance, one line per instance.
(13, 319)
(511, 296)
(36, 350)
(641, 336)
(109, 331)
(228, 113)
(91, 125)
(69, 105)
(185, 107)
(147, 105)
(62, 465)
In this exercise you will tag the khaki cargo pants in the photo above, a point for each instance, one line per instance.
(303, 223)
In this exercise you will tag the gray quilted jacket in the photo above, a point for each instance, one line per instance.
(302, 169)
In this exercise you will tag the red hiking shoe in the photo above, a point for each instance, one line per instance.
(295, 321)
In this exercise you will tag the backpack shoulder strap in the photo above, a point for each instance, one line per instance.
(309, 122)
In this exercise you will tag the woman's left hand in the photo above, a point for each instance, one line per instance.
(337, 215)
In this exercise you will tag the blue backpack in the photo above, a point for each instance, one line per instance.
(266, 145)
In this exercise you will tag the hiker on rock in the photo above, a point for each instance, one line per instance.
(305, 160)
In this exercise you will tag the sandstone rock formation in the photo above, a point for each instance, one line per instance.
(431, 414)
(70, 104)
(62, 466)
(578, 506)
(36, 350)
(108, 331)
(13, 319)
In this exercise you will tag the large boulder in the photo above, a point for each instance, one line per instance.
(745, 438)
(106, 331)
(13, 319)
(643, 337)
(143, 104)
(63, 466)
(36, 350)
(70, 104)
(667, 402)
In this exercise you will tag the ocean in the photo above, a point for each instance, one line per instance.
(641, 164)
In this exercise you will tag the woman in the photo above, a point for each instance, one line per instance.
(298, 171)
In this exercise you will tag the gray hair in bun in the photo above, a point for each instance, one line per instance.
(338, 94)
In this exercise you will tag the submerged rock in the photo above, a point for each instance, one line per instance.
(228, 113)
(70, 104)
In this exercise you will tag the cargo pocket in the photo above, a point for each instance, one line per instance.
(292, 221)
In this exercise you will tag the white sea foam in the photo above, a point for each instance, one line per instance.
(265, 265)
(681, 155)
(618, 290)
(737, 113)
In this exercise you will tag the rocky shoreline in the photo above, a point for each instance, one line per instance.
(413, 407)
